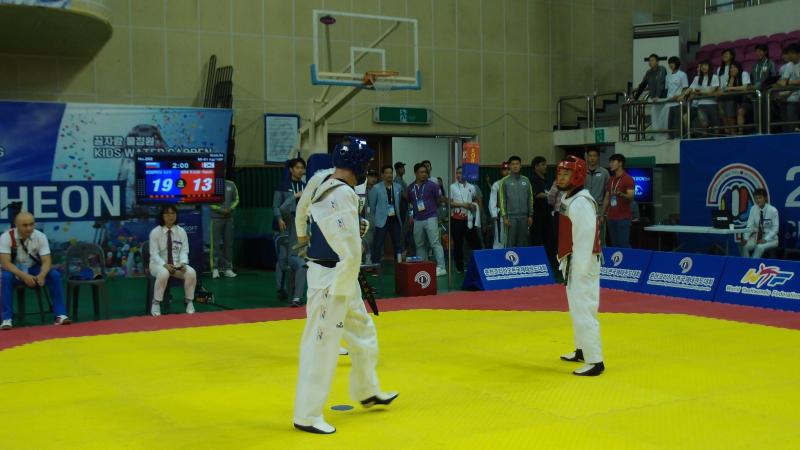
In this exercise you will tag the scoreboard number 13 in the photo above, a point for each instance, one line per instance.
(203, 184)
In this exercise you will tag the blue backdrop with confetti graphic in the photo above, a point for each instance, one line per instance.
(72, 166)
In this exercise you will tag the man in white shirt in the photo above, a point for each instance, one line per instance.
(465, 220)
(790, 76)
(25, 259)
(494, 208)
(169, 257)
(763, 225)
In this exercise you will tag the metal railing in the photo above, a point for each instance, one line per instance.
(633, 119)
(711, 7)
(560, 107)
(590, 104)
(757, 122)
(769, 95)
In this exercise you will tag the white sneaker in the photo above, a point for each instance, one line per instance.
(6, 325)
(215, 273)
(230, 274)
(63, 320)
(343, 351)
(441, 272)
(190, 308)
(155, 310)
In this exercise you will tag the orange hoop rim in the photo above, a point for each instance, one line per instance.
(371, 76)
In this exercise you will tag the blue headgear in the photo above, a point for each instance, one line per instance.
(354, 156)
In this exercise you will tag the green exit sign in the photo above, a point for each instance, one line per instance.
(599, 135)
(401, 115)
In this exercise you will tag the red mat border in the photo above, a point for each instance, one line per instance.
(540, 298)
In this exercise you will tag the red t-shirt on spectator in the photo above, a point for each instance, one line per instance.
(621, 183)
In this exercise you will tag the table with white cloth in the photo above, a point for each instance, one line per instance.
(695, 230)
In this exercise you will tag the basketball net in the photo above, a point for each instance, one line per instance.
(380, 81)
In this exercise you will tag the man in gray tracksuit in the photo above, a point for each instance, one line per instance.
(222, 232)
(515, 197)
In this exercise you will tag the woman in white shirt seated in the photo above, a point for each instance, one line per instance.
(169, 257)
(735, 109)
(705, 110)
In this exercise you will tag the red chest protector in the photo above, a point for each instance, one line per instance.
(565, 237)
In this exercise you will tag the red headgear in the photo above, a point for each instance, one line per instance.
(578, 168)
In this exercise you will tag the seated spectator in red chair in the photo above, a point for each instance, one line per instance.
(764, 69)
(705, 110)
(25, 260)
(736, 108)
(763, 224)
(169, 257)
(723, 71)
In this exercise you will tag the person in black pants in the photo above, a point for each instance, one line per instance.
(384, 204)
(465, 207)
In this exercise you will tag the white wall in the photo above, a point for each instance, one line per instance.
(767, 19)
(412, 150)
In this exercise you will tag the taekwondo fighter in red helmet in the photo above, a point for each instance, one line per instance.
(579, 260)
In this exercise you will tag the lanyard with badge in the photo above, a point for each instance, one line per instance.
(417, 196)
(614, 191)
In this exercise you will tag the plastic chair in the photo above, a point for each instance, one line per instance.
(21, 302)
(151, 282)
(86, 267)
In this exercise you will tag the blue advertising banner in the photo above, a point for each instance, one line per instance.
(72, 166)
(723, 173)
(624, 268)
(761, 282)
(684, 275)
(507, 268)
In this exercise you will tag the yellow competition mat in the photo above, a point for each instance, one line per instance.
(467, 380)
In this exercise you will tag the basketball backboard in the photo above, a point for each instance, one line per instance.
(348, 45)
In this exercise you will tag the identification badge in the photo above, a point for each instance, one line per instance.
(420, 205)
(613, 200)
(391, 212)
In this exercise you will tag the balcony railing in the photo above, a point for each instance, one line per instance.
(588, 106)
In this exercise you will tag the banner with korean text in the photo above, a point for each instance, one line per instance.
(72, 166)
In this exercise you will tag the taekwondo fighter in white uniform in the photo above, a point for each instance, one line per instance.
(335, 308)
(579, 260)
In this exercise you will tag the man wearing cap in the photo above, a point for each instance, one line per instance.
(579, 262)
(494, 208)
(335, 309)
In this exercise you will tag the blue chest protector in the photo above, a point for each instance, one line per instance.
(319, 248)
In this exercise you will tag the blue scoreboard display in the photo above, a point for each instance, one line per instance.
(643, 182)
(180, 178)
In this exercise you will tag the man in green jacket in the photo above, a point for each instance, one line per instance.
(515, 197)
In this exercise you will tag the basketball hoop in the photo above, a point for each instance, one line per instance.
(380, 80)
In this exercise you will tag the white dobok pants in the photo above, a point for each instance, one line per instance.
(583, 295)
(328, 320)
(162, 277)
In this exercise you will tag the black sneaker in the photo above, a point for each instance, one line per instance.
(593, 371)
(282, 294)
(576, 356)
(380, 399)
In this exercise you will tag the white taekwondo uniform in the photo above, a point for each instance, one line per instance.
(335, 309)
(579, 260)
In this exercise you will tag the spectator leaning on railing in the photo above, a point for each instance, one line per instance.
(704, 83)
(790, 76)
